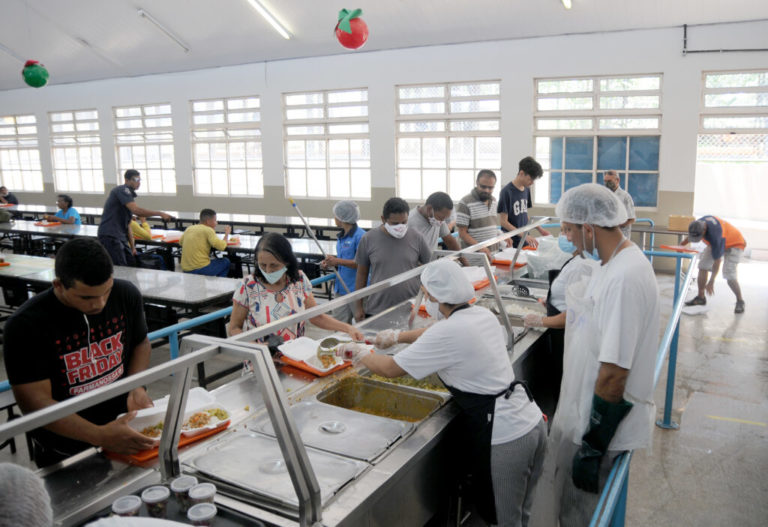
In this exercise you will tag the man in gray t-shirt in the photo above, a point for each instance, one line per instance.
(431, 221)
(611, 180)
(386, 251)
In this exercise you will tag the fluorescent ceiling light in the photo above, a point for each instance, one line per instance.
(168, 33)
(269, 17)
(566, 3)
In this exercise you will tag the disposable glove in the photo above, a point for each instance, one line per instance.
(603, 422)
(352, 351)
(386, 338)
(532, 320)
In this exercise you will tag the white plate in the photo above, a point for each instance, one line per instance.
(197, 399)
(304, 349)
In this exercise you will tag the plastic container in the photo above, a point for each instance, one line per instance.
(202, 493)
(156, 499)
(180, 488)
(126, 506)
(202, 514)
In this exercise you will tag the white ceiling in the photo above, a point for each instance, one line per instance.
(81, 40)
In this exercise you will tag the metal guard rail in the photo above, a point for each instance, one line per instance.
(172, 332)
(611, 507)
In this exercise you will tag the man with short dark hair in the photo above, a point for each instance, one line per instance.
(515, 200)
(391, 249)
(430, 220)
(87, 331)
(476, 216)
(612, 181)
(114, 230)
(8, 197)
(197, 242)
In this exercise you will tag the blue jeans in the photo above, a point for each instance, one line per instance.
(217, 267)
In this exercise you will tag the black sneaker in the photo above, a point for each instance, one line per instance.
(697, 301)
(739, 307)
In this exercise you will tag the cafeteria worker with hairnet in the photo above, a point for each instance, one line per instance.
(611, 335)
(501, 432)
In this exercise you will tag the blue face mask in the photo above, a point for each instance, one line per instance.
(594, 254)
(274, 276)
(565, 245)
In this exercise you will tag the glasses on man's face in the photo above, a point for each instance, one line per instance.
(485, 187)
(137, 179)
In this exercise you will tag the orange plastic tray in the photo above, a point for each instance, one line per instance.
(233, 243)
(6, 204)
(154, 237)
(301, 365)
(677, 248)
(482, 283)
(518, 265)
(49, 224)
(146, 455)
(5, 264)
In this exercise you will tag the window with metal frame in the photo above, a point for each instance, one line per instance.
(76, 151)
(734, 102)
(732, 145)
(19, 154)
(445, 134)
(584, 126)
(144, 141)
(327, 144)
(226, 146)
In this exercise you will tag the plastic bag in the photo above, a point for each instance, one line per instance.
(547, 256)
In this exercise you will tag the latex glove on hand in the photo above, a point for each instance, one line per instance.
(386, 338)
(533, 320)
(352, 351)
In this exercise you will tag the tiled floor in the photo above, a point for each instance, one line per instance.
(711, 471)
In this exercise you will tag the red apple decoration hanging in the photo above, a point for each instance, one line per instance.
(351, 30)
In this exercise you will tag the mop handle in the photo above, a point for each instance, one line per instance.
(312, 235)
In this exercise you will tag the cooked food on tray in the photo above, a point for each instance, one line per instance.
(153, 431)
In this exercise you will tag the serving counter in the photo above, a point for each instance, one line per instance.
(401, 478)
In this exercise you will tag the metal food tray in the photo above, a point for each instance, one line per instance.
(339, 430)
(254, 462)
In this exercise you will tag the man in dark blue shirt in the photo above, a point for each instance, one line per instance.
(114, 230)
(515, 199)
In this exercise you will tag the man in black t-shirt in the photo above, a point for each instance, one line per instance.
(515, 200)
(87, 331)
(115, 226)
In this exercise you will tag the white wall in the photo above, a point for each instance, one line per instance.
(515, 62)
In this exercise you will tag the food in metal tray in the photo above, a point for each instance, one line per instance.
(407, 380)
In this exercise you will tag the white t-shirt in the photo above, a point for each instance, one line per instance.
(468, 351)
(627, 314)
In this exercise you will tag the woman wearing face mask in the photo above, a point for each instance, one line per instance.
(277, 289)
(500, 431)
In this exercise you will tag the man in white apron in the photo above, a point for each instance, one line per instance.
(611, 338)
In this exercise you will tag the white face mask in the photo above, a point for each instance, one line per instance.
(433, 310)
(397, 231)
(435, 222)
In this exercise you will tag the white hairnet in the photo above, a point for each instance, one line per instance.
(445, 281)
(24, 498)
(591, 203)
(347, 211)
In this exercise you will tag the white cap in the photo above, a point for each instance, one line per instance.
(445, 281)
(347, 211)
(24, 498)
(201, 512)
(591, 203)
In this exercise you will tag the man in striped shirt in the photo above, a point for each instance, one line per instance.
(476, 216)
